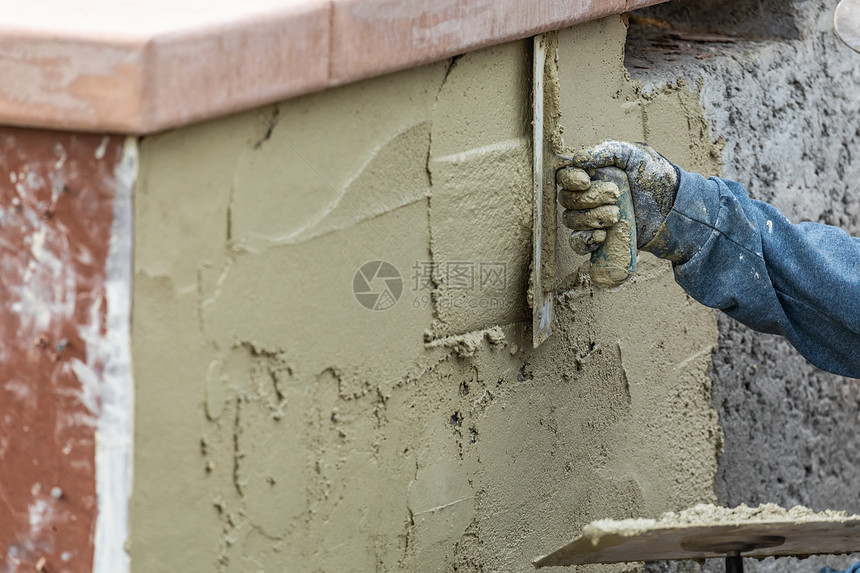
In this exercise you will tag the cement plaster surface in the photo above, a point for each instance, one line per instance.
(282, 424)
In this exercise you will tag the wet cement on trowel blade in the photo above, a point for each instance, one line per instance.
(708, 531)
(546, 141)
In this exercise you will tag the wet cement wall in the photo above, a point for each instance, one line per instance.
(780, 91)
(330, 334)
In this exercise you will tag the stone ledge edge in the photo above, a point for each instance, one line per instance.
(151, 84)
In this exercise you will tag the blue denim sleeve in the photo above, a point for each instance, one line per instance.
(853, 569)
(745, 258)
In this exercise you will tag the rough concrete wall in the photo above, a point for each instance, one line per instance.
(786, 108)
(281, 425)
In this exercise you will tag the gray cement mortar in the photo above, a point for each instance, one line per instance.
(783, 94)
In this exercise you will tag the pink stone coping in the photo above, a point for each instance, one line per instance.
(143, 66)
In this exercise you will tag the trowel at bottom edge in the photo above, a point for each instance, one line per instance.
(615, 260)
(632, 540)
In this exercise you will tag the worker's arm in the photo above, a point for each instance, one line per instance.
(745, 258)
(855, 568)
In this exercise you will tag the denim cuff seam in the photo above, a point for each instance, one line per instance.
(816, 311)
(666, 224)
(716, 232)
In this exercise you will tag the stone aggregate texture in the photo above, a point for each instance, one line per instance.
(782, 93)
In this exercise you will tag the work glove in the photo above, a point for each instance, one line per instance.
(590, 205)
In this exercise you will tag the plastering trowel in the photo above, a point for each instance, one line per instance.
(608, 541)
(615, 260)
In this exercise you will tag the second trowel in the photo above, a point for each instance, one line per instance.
(615, 260)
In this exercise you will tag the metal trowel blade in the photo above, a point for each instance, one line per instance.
(545, 163)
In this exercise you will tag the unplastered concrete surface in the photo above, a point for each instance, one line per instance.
(784, 99)
(281, 426)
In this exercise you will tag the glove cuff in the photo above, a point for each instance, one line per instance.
(690, 222)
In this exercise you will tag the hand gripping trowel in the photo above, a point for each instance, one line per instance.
(615, 260)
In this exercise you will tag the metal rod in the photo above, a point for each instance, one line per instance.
(734, 562)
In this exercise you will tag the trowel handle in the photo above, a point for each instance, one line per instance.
(615, 260)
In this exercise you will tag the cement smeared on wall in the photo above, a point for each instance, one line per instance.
(300, 428)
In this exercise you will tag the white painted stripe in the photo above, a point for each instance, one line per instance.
(114, 435)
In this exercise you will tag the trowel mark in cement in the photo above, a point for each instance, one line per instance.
(465, 345)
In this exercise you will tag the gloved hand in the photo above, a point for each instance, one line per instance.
(590, 205)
